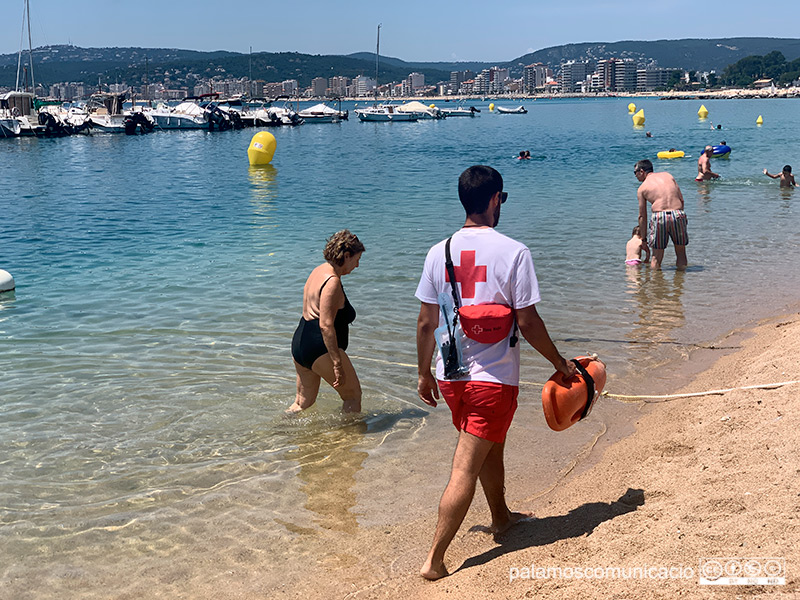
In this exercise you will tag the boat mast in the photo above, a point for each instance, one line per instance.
(26, 18)
(377, 55)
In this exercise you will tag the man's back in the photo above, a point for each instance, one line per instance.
(662, 191)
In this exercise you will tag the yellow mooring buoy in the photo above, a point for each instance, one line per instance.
(262, 148)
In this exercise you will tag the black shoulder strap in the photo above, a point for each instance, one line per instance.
(451, 273)
(323, 284)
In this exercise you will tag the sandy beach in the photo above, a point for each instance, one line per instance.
(703, 477)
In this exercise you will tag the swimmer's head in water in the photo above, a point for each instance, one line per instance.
(787, 169)
(643, 165)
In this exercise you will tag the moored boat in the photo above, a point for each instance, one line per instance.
(322, 113)
(461, 112)
(520, 110)
(422, 111)
(384, 112)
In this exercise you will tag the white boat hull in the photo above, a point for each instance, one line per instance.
(9, 127)
(176, 121)
(459, 112)
(381, 116)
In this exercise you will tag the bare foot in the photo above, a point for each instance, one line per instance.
(294, 408)
(432, 574)
(513, 519)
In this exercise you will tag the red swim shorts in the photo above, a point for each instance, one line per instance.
(482, 408)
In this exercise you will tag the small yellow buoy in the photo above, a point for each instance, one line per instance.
(631, 107)
(638, 118)
(759, 120)
(262, 148)
(432, 105)
(703, 112)
(491, 107)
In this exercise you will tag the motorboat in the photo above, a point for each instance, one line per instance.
(106, 113)
(520, 110)
(322, 113)
(422, 111)
(18, 116)
(189, 114)
(9, 127)
(384, 112)
(284, 115)
(461, 112)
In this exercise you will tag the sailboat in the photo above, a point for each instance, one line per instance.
(17, 108)
(382, 112)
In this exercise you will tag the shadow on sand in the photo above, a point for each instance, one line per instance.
(541, 532)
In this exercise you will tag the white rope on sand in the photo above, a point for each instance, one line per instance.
(633, 398)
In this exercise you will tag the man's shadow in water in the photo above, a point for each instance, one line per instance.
(541, 532)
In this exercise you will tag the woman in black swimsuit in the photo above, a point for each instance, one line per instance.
(320, 340)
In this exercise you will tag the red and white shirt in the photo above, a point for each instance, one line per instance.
(489, 267)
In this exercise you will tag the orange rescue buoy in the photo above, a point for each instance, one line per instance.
(565, 402)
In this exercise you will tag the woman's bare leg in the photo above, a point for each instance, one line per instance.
(350, 389)
(307, 389)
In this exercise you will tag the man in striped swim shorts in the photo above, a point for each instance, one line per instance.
(668, 221)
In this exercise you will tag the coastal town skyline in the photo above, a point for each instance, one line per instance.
(415, 34)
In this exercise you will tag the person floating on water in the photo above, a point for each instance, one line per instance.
(524, 155)
(634, 248)
(486, 267)
(786, 177)
(668, 221)
(321, 338)
(648, 134)
(704, 172)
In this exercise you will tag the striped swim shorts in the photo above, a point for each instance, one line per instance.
(666, 225)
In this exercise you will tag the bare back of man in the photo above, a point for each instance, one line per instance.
(661, 191)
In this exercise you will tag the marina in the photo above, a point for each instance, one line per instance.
(158, 279)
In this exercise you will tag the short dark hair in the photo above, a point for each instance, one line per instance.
(476, 186)
(787, 169)
(643, 165)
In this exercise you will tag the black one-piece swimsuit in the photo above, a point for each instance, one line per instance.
(307, 343)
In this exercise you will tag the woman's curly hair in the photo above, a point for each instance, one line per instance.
(340, 244)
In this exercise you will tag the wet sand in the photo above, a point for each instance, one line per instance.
(703, 477)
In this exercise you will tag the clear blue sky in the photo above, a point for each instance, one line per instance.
(413, 30)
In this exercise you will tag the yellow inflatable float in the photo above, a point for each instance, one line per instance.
(262, 148)
(638, 118)
(671, 153)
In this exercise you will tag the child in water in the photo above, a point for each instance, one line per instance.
(786, 177)
(634, 248)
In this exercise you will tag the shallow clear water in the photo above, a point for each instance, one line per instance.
(145, 352)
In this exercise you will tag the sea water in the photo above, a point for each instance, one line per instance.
(144, 356)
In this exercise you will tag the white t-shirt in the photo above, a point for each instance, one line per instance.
(489, 267)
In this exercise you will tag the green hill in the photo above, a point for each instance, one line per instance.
(179, 68)
(689, 54)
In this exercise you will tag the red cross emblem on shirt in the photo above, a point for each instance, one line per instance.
(468, 273)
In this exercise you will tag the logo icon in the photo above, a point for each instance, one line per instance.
(742, 571)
